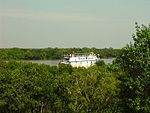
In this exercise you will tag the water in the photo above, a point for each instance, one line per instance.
(108, 60)
(47, 62)
(56, 62)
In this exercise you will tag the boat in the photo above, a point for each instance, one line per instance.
(80, 59)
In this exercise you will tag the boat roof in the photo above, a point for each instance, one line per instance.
(83, 53)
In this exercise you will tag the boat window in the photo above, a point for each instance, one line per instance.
(66, 59)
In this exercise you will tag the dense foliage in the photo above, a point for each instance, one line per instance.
(52, 53)
(33, 88)
(135, 63)
(122, 87)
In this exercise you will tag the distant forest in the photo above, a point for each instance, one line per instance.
(52, 53)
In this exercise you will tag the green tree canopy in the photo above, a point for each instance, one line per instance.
(135, 63)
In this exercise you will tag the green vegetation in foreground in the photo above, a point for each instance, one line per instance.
(123, 87)
(52, 53)
(34, 88)
(135, 80)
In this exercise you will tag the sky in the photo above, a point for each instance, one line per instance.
(70, 23)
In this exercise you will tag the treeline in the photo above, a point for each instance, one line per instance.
(52, 53)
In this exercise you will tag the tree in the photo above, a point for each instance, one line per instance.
(135, 63)
(100, 63)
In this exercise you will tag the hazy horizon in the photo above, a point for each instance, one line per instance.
(67, 24)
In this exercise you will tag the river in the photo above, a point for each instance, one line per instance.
(56, 62)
